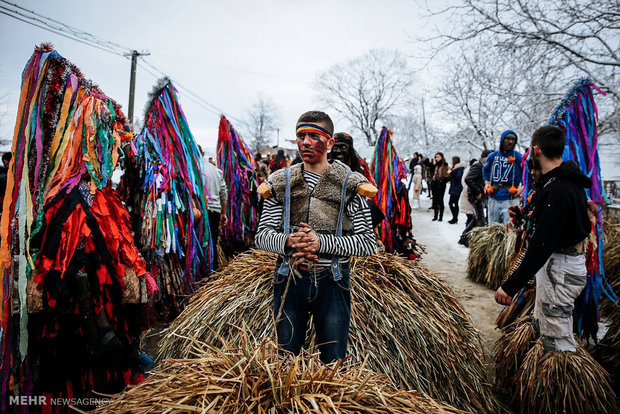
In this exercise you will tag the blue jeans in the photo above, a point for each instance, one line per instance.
(329, 303)
(498, 210)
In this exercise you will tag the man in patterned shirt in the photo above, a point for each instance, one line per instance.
(315, 217)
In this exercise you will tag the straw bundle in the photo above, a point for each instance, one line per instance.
(607, 351)
(510, 350)
(491, 250)
(611, 264)
(558, 382)
(520, 307)
(253, 378)
(434, 347)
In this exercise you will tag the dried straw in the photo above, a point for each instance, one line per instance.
(491, 250)
(607, 351)
(405, 321)
(520, 307)
(253, 379)
(562, 382)
(611, 264)
(510, 350)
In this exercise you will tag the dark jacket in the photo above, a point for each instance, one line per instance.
(455, 179)
(474, 180)
(560, 221)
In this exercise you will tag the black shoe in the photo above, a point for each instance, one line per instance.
(440, 219)
(453, 221)
(434, 218)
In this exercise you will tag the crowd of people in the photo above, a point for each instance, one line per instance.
(483, 190)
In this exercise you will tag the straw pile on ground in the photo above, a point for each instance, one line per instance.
(611, 264)
(253, 379)
(405, 321)
(520, 307)
(491, 251)
(607, 351)
(510, 350)
(562, 382)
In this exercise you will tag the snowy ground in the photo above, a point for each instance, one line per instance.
(449, 261)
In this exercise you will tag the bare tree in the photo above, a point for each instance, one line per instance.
(262, 120)
(367, 90)
(485, 93)
(584, 35)
(565, 40)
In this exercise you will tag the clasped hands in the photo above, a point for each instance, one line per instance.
(305, 241)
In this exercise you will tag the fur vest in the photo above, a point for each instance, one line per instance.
(319, 207)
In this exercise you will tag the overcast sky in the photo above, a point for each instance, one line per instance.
(226, 52)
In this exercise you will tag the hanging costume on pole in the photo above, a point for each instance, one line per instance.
(173, 227)
(72, 278)
(388, 170)
(235, 159)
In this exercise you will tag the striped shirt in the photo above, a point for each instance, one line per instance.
(360, 243)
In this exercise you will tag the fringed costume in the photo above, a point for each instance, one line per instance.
(170, 211)
(73, 282)
(235, 159)
(388, 170)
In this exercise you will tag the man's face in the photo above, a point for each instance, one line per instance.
(509, 143)
(312, 146)
(341, 152)
(535, 157)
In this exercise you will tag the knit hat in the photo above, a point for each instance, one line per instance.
(343, 137)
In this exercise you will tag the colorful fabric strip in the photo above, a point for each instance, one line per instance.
(301, 128)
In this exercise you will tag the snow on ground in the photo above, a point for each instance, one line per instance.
(449, 261)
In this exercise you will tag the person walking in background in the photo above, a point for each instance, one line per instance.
(278, 162)
(456, 175)
(475, 188)
(417, 185)
(464, 204)
(4, 170)
(262, 170)
(415, 160)
(217, 202)
(428, 168)
(502, 175)
(438, 186)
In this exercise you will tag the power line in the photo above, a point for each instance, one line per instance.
(200, 98)
(58, 26)
(62, 29)
(59, 33)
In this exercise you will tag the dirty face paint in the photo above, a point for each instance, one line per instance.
(313, 142)
(312, 146)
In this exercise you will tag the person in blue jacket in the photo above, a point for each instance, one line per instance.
(502, 175)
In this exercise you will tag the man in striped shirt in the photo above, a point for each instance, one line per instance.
(315, 219)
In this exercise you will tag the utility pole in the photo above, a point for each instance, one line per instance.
(278, 139)
(132, 82)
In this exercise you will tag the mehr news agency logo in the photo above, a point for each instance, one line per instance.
(43, 400)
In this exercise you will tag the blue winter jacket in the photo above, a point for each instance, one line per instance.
(501, 172)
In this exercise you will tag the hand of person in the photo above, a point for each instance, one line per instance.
(519, 191)
(486, 186)
(515, 213)
(479, 196)
(502, 297)
(306, 244)
(223, 219)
